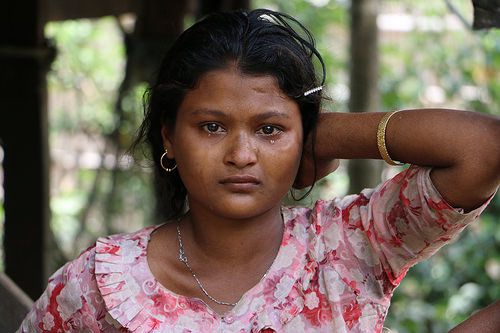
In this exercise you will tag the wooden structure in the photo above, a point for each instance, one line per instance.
(14, 304)
(486, 14)
(24, 60)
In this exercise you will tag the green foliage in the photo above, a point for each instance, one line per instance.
(85, 75)
(96, 188)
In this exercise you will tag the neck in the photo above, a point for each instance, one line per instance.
(230, 240)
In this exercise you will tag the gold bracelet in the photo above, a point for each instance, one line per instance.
(382, 148)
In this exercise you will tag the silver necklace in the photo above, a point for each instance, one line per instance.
(183, 258)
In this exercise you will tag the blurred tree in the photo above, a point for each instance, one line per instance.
(158, 24)
(364, 96)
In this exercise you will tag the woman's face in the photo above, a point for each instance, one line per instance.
(237, 142)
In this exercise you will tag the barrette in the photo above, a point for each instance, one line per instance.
(313, 90)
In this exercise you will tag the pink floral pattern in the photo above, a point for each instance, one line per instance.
(336, 270)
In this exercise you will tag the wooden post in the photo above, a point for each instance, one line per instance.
(24, 60)
(363, 83)
(14, 305)
(486, 14)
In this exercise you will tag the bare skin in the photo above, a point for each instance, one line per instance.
(485, 320)
(463, 147)
(234, 229)
(229, 126)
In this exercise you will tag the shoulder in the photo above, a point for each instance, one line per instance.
(92, 271)
(119, 245)
(126, 284)
(80, 294)
(66, 297)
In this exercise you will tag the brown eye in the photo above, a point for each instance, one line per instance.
(269, 130)
(212, 128)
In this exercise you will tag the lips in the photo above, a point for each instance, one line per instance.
(241, 183)
(240, 179)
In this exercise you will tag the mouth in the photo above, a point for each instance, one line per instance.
(240, 183)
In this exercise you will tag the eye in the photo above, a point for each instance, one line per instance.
(213, 128)
(269, 130)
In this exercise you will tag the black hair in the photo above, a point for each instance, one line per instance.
(258, 42)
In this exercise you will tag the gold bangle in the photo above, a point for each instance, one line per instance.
(382, 148)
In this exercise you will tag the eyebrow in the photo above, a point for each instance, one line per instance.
(204, 111)
(260, 116)
(272, 114)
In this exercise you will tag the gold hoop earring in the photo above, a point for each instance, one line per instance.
(163, 166)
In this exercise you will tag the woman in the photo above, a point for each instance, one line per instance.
(233, 122)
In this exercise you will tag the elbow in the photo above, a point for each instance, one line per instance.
(495, 133)
(488, 150)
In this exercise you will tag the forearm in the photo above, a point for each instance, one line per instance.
(485, 320)
(433, 137)
(464, 147)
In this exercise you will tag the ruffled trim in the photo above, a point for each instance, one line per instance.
(127, 302)
(113, 275)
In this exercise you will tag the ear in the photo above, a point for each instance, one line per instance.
(168, 143)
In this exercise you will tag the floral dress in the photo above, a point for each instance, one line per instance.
(336, 270)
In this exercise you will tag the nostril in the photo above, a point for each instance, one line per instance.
(241, 153)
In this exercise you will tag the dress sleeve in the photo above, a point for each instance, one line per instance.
(65, 305)
(404, 221)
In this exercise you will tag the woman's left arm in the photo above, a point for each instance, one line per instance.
(462, 147)
(485, 320)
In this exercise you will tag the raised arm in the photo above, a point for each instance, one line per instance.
(485, 320)
(463, 147)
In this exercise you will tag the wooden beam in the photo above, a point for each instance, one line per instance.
(14, 305)
(486, 14)
(363, 83)
(24, 59)
(59, 10)
(210, 6)
(160, 19)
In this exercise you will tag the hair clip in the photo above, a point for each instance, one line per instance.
(313, 90)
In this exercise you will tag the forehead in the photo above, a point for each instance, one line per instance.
(229, 90)
(231, 76)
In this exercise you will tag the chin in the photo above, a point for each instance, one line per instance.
(241, 208)
(237, 206)
(244, 212)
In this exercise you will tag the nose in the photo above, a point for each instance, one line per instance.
(241, 151)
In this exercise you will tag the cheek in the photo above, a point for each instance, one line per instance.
(286, 155)
(193, 161)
